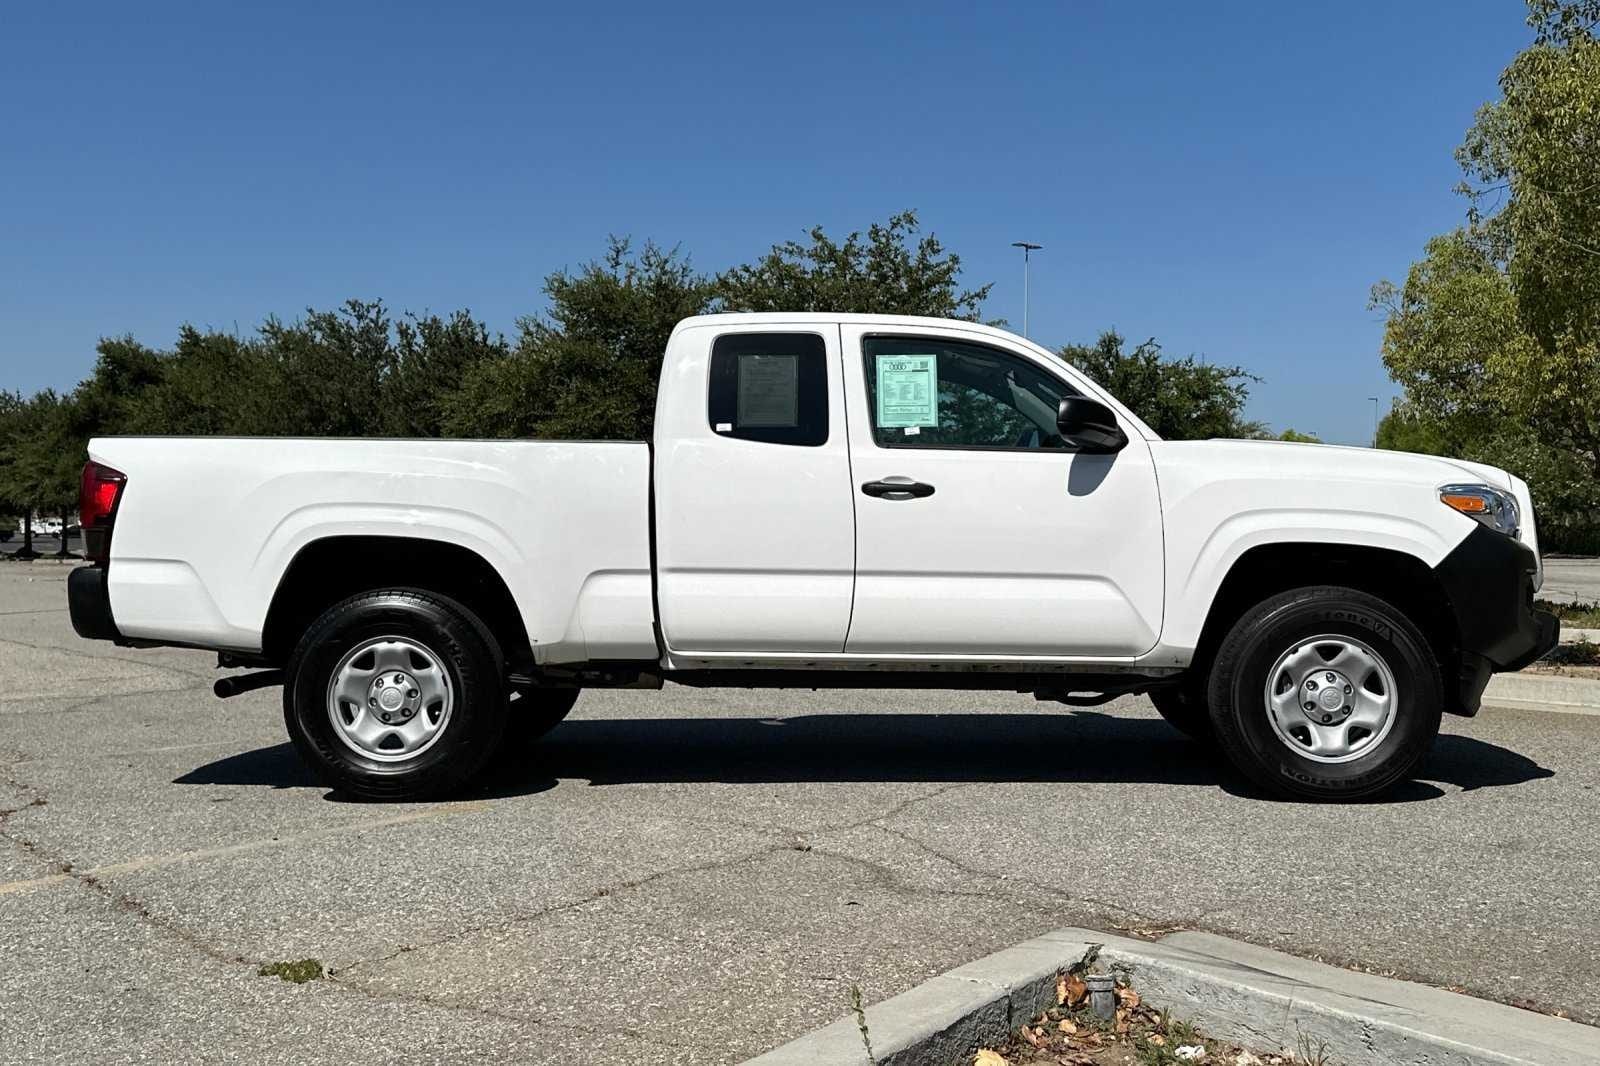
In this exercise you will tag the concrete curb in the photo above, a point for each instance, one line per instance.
(1232, 991)
(1553, 692)
(1572, 636)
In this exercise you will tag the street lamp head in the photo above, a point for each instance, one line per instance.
(1025, 246)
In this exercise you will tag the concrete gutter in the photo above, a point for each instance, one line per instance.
(1233, 991)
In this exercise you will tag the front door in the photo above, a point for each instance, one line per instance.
(978, 534)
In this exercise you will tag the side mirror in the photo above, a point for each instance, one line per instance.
(1089, 426)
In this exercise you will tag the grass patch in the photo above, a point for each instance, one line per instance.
(1573, 615)
(298, 972)
(1577, 653)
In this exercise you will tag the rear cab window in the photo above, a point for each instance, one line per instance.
(769, 387)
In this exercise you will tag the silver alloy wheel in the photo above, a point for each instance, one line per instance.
(1331, 698)
(390, 698)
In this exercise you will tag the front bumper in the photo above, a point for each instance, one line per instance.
(1489, 580)
(89, 603)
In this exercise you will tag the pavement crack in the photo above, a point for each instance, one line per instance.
(120, 901)
(1027, 886)
(572, 904)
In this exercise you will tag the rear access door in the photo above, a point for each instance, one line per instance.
(754, 509)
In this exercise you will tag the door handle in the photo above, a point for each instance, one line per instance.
(897, 488)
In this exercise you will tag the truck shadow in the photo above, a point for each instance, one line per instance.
(1076, 747)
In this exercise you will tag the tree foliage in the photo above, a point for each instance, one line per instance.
(883, 273)
(588, 367)
(1495, 333)
(1181, 399)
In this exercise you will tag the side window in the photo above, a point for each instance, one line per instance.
(770, 387)
(928, 393)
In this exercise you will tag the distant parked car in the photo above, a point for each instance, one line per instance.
(47, 527)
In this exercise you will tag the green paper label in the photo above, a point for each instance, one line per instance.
(908, 391)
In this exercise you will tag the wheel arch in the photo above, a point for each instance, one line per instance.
(329, 569)
(1395, 577)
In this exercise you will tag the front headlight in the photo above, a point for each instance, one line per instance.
(1493, 507)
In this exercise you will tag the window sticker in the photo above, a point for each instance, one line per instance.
(768, 391)
(908, 394)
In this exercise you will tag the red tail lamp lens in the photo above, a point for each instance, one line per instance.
(97, 498)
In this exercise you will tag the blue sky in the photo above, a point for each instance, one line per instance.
(1229, 178)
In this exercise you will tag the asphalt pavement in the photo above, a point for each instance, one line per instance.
(1571, 580)
(696, 876)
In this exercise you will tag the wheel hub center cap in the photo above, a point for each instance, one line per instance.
(394, 697)
(1327, 697)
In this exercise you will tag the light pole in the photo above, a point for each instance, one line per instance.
(1374, 400)
(1027, 249)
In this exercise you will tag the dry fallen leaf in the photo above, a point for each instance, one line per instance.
(1127, 997)
(1158, 1040)
(1071, 990)
(985, 1057)
(1067, 1027)
(1028, 1035)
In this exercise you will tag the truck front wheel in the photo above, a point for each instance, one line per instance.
(1325, 693)
(396, 694)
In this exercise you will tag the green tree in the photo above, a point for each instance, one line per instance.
(329, 370)
(211, 383)
(1295, 436)
(41, 455)
(588, 367)
(883, 273)
(1181, 399)
(432, 357)
(1495, 333)
(12, 505)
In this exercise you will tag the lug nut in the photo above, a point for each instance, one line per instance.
(372, 701)
(1347, 690)
(1311, 685)
(1311, 706)
(384, 716)
(1331, 677)
(412, 693)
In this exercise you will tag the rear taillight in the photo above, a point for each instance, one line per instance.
(98, 494)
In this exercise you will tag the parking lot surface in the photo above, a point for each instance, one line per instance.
(1571, 580)
(695, 876)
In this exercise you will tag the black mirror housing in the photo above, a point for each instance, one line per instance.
(1089, 426)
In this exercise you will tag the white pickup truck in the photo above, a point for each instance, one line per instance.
(829, 501)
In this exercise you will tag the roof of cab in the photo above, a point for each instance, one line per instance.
(791, 318)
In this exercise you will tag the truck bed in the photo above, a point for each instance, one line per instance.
(207, 527)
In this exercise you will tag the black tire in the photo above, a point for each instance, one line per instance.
(1244, 726)
(1185, 710)
(536, 711)
(468, 653)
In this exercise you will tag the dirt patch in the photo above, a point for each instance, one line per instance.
(1136, 1034)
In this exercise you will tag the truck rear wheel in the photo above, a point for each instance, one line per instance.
(1325, 693)
(396, 695)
